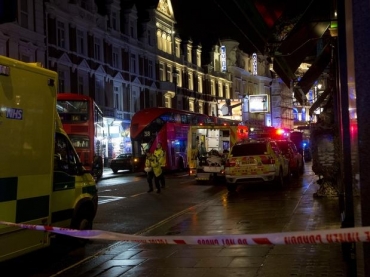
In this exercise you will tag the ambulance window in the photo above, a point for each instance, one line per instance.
(65, 158)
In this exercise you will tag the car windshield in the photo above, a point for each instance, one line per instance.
(283, 146)
(249, 149)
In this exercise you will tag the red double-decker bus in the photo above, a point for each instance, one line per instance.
(168, 126)
(83, 122)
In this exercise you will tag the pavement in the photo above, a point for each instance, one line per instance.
(236, 213)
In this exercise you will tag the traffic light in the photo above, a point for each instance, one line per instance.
(8, 11)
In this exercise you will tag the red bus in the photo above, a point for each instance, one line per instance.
(170, 127)
(83, 122)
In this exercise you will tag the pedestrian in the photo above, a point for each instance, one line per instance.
(149, 170)
(161, 158)
(157, 171)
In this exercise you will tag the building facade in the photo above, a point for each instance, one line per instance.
(129, 59)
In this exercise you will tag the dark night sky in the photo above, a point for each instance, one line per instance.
(205, 21)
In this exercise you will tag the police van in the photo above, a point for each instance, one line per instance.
(42, 180)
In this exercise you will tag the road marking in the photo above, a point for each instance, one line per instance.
(108, 199)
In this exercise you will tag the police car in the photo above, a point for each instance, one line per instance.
(256, 161)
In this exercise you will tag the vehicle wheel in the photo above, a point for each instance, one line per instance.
(279, 180)
(114, 170)
(231, 187)
(83, 220)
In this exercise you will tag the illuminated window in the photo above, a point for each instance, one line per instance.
(200, 107)
(191, 85)
(200, 84)
(191, 105)
(213, 90)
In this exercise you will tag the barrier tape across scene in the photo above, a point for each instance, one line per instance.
(356, 234)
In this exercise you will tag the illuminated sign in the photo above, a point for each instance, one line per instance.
(254, 64)
(223, 59)
(230, 108)
(259, 103)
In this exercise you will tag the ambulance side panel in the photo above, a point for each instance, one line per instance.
(27, 128)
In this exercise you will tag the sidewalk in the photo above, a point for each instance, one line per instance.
(232, 214)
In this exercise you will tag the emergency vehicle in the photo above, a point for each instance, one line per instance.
(42, 180)
(217, 139)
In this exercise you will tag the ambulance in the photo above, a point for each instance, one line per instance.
(42, 181)
(217, 140)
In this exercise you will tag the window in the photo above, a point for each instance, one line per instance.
(97, 48)
(117, 97)
(200, 107)
(99, 91)
(115, 57)
(169, 74)
(191, 85)
(133, 63)
(191, 106)
(80, 85)
(159, 41)
(152, 102)
(114, 21)
(136, 103)
(61, 35)
(65, 158)
(61, 80)
(24, 13)
(150, 69)
(213, 92)
(161, 72)
(126, 100)
(80, 42)
(164, 42)
(200, 84)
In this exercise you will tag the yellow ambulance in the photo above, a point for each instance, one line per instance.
(42, 180)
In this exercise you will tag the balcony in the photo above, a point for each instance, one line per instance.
(167, 86)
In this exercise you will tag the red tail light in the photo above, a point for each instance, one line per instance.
(230, 163)
(267, 160)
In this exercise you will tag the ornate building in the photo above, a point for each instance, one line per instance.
(129, 57)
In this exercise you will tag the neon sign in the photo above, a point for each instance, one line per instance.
(223, 58)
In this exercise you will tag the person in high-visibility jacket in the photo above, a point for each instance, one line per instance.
(158, 172)
(161, 158)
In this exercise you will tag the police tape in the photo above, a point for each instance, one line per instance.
(356, 234)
